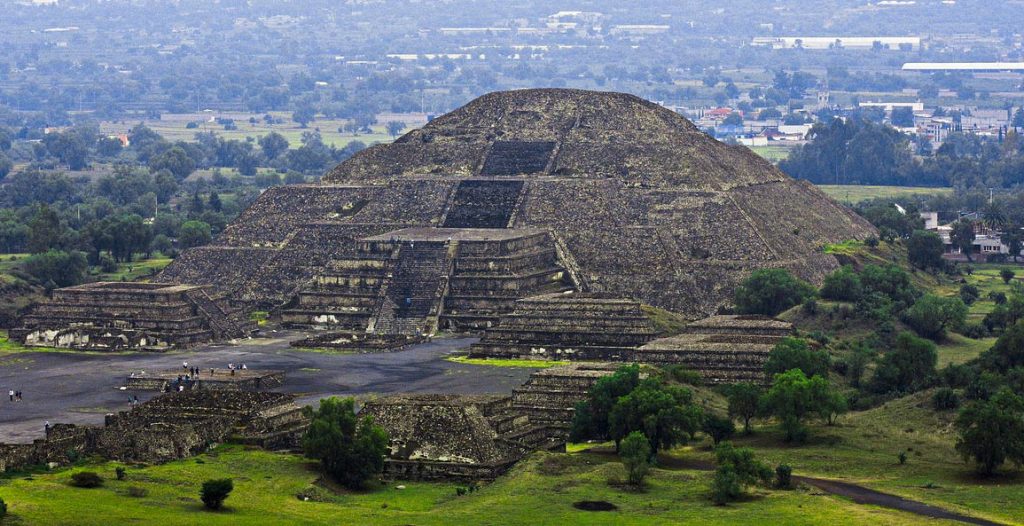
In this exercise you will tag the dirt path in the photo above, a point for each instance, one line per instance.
(854, 492)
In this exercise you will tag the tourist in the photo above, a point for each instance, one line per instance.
(17, 396)
(10, 394)
(46, 428)
(244, 367)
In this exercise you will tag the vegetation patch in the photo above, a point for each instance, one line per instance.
(497, 362)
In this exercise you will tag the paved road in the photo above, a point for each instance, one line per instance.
(81, 388)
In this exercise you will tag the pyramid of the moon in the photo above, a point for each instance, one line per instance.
(517, 194)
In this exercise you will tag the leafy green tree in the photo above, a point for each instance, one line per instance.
(350, 449)
(165, 185)
(931, 315)
(193, 234)
(1007, 275)
(924, 250)
(303, 115)
(771, 291)
(737, 469)
(902, 117)
(394, 128)
(992, 431)
(969, 294)
(63, 269)
(718, 428)
(1008, 351)
(842, 285)
(1013, 238)
(743, 402)
(635, 453)
(6, 165)
(273, 145)
(666, 415)
(962, 236)
(45, 230)
(793, 398)
(215, 491)
(174, 160)
(795, 353)
(590, 420)
(908, 367)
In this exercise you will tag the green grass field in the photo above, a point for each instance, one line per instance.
(772, 153)
(272, 488)
(855, 193)
(173, 128)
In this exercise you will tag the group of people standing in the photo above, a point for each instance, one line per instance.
(15, 396)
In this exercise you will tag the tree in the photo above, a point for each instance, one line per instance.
(304, 115)
(908, 367)
(193, 234)
(6, 165)
(771, 291)
(666, 415)
(273, 145)
(214, 492)
(962, 237)
(737, 468)
(635, 453)
(176, 161)
(969, 293)
(843, 285)
(1018, 118)
(166, 185)
(795, 353)
(733, 119)
(1013, 238)
(63, 269)
(214, 202)
(743, 402)
(350, 449)
(931, 315)
(992, 431)
(902, 117)
(718, 428)
(394, 128)
(590, 421)
(924, 250)
(792, 398)
(1007, 275)
(45, 230)
(1008, 351)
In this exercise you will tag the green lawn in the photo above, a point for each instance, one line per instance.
(772, 153)
(538, 491)
(864, 447)
(857, 193)
(137, 270)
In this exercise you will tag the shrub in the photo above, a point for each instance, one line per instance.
(871, 241)
(945, 399)
(737, 468)
(902, 457)
(3, 509)
(86, 479)
(795, 353)
(969, 294)
(783, 476)
(119, 472)
(685, 375)
(931, 315)
(718, 428)
(725, 487)
(907, 368)
(635, 452)
(137, 492)
(215, 491)
(771, 291)
(974, 331)
(992, 431)
(107, 264)
(64, 269)
(924, 249)
(1006, 274)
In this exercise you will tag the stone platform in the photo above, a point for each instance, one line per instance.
(415, 281)
(115, 316)
(568, 326)
(723, 349)
(221, 379)
(357, 342)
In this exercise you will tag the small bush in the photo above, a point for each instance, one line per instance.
(120, 472)
(726, 486)
(683, 375)
(945, 399)
(1006, 273)
(974, 331)
(902, 457)
(86, 479)
(783, 476)
(871, 241)
(215, 491)
(137, 492)
(3, 509)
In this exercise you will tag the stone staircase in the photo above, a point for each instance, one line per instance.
(414, 290)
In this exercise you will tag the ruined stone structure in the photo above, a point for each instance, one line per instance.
(573, 326)
(117, 316)
(517, 194)
(170, 427)
(221, 379)
(724, 349)
(442, 437)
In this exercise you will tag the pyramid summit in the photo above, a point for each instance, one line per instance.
(519, 194)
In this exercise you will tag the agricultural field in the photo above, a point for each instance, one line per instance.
(772, 153)
(174, 127)
(854, 194)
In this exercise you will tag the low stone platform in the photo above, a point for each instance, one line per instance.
(170, 427)
(358, 342)
(116, 316)
(221, 379)
(568, 326)
(723, 349)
